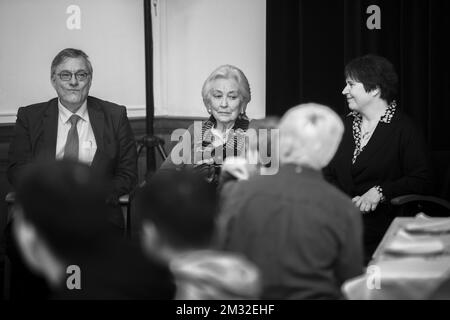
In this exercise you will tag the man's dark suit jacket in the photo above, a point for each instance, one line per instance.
(35, 136)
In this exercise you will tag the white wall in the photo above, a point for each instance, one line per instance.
(193, 37)
(32, 32)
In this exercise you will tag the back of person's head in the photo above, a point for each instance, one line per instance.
(182, 207)
(262, 141)
(309, 135)
(228, 72)
(64, 202)
(374, 72)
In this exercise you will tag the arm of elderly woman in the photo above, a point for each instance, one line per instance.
(182, 153)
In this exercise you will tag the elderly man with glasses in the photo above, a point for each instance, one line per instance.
(76, 126)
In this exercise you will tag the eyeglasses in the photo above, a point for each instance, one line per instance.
(67, 76)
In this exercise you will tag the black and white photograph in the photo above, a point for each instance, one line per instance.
(226, 155)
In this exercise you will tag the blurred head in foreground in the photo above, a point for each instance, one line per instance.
(178, 210)
(309, 135)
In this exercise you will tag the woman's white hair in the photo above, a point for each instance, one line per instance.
(310, 135)
(228, 72)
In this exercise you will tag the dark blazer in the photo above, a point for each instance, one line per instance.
(35, 136)
(395, 158)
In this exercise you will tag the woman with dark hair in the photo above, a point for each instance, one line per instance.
(206, 144)
(382, 154)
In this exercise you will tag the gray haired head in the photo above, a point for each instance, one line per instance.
(69, 53)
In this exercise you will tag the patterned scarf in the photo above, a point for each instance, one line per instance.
(235, 145)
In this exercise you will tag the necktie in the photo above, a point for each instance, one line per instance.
(71, 147)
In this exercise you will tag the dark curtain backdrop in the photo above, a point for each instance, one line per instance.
(310, 41)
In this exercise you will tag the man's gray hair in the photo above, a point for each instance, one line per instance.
(310, 135)
(69, 53)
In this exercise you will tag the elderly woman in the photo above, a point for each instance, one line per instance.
(303, 233)
(205, 145)
(382, 154)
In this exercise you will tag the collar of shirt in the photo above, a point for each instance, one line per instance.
(64, 113)
(386, 117)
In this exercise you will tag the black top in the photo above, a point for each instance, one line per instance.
(395, 158)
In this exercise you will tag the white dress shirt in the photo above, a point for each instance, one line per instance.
(86, 138)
